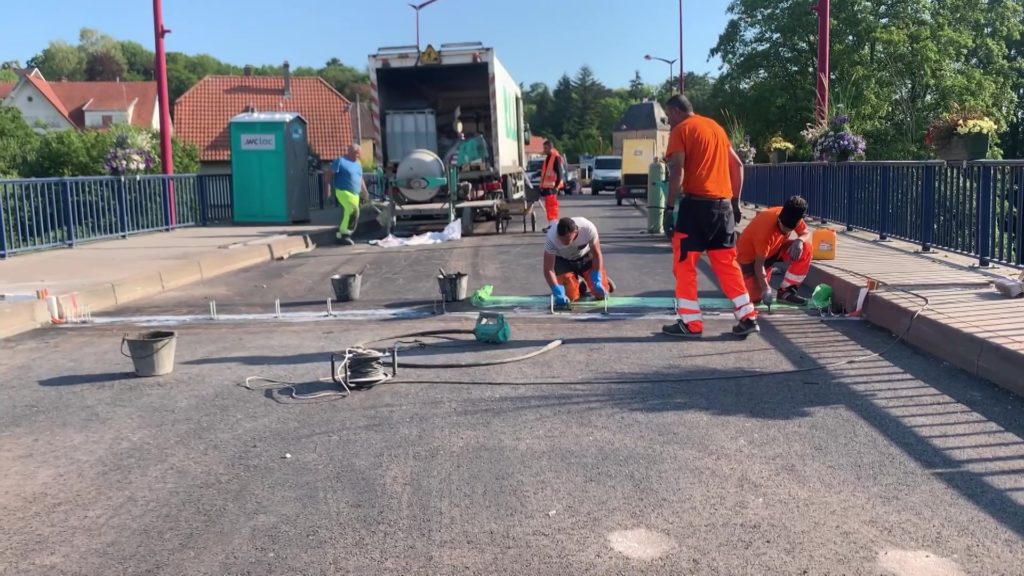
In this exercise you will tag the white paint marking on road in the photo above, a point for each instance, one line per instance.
(917, 563)
(640, 544)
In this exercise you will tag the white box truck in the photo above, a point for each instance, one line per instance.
(436, 99)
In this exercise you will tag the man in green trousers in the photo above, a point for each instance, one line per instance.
(349, 187)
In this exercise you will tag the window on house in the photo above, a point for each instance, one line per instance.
(107, 120)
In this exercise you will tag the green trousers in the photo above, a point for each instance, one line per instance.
(349, 202)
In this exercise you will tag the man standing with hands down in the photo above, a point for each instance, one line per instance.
(706, 173)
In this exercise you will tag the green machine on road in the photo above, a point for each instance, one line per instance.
(270, 168)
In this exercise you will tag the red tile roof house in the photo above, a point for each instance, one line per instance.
(65, 105)
(202, 115)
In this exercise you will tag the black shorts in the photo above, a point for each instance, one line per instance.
(708, 224)
(579, 267)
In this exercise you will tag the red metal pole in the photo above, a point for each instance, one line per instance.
(166, 157)
(824, 10)
(682, 73)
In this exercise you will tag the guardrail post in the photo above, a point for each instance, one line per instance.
(122, 207)
(165, 187)
(848, 180)
(885, 181)
(3, 225)
(985, 216)
(68, 212)
(928, 208)
(204, 201)
(320, 194)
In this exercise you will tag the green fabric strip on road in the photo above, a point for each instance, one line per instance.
(485, 298)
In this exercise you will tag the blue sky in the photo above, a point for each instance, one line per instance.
(537, 40)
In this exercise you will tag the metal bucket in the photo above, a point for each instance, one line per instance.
(346, 286)
(152, 353)
(454, 287)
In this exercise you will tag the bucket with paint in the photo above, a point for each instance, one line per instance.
(346, 286)
(152, 353)
(454, 287)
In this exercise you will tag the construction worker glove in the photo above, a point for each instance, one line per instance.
(558, 291)
(796, 250)
(597, 282)
(668, 222)
(767, 296)
(737, 214)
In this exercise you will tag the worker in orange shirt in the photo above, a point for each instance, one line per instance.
(707, 176)
(551, 182)
(767, 240)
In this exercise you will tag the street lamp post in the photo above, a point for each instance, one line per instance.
(670, 63)
(682, 73)
(824, 10)
(166, 157)
(417, 8)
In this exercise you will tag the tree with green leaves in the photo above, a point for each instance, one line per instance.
(60, 60)
(18, 143)
(638, 90)
(896, 66)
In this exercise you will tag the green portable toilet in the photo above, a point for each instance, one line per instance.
(270, 168)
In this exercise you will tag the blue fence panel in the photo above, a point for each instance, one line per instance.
(217, 198)
(975, 208)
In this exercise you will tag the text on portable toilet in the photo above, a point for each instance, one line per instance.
(258, 141)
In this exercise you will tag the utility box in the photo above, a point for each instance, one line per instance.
(270, 168)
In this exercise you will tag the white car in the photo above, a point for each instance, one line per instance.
(607, 174)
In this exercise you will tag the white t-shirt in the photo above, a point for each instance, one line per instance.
(576, 249)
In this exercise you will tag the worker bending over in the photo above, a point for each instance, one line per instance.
(551, 182)
(572, 250)
(776, 235)
(706, 171)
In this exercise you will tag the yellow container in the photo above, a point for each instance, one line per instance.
(824, 242)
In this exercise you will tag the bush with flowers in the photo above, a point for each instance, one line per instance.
(779, 144)
(130, 154)
(959, 123)
(834, 141)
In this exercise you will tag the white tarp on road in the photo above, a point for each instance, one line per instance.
(451, 232)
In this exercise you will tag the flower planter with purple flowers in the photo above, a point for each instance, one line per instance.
(835, 142)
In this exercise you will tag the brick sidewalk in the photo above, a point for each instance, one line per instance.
(966, 323)
(104, 274)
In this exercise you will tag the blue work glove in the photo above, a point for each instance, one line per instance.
(597, 284)
(558, 291)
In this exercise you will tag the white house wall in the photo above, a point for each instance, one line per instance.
(94, 118)
(36, 109)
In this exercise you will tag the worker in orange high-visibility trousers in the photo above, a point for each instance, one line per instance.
(551, 182)
(708, 175)
(775, 235)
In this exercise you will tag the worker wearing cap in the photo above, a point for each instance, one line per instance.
(707, 176)
(349, 188)
(572, 250)
(775, 235)
(552, 181)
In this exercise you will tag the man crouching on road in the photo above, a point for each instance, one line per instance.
(767, 240)
(572, 251)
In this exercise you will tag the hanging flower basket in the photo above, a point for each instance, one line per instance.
(964, 148)
(834, 141)
(779, 150)
(961, 136)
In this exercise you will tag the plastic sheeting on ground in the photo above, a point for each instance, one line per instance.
(451, 232)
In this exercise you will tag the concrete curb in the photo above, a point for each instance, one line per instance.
(993, 362)
(20, 317)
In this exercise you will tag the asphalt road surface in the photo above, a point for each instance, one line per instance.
(619, 452)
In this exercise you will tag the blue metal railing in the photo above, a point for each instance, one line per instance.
(44, 213)
(974, 208)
